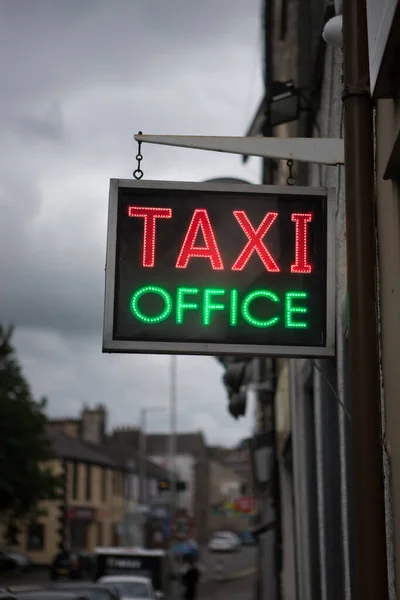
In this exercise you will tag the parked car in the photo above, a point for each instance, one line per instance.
(20, 561)
(5, 594)
(51, 595)
(6, 562)
(90, 591)
(71, 565)
(131, 587)
(247, 538)
(224, 541)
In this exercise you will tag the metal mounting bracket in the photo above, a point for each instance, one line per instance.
(324, 151)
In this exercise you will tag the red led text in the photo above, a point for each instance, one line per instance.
(149, 230)
(209, 249)
(201, 221)
(255, 243)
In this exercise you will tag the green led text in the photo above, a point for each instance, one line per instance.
(288, 310)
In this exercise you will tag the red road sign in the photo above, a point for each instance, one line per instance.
(182, 526)
(244, 504)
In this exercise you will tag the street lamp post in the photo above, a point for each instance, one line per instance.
(172, 437)
(172, 455)
(143, 450)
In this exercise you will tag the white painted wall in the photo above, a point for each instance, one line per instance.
(185, 467)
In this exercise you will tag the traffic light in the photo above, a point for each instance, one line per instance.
(164, 485)
(62, 508)
(237, 405)
(235, 379)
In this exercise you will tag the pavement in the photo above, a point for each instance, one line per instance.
(241, 588)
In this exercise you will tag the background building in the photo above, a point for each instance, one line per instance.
(94, 499)
(101, 491)
(192, 467)
(313, 556)
(311, 405)
(236, 460)
(226, 488)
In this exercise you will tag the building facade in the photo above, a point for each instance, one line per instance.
(238, 461)
(192, 467)
(94, 497)
(312, 398)
(226, 488)
(101, 492)
(384, 38)
(312, 427)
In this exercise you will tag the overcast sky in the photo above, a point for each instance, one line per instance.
(79, 78)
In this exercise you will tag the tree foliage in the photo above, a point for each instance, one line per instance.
(25, 478)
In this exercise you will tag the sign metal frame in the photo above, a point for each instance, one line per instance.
(111, 345)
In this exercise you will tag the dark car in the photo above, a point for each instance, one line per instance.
(91, 591)
(51, 595)
(6, 562)
(21, 562)
(71, 565)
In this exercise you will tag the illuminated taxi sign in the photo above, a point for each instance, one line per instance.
(219, 269)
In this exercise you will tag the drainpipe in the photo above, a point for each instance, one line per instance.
(369, 518)
(268, 163)
(260, 363)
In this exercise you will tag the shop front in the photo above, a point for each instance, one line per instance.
(80, 519)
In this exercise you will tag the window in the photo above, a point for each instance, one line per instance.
(135, 487)
(283, 20)
(118, 483)
(75, 468)
(104, 485)
(114, 535)
(35, 537)
(99, 534)
(88, 483)
(128, 485)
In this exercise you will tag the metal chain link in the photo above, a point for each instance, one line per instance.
(138, 173)
(290, 180)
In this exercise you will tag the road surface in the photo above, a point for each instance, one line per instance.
(240, 565)
(239, 589)
(232, 563)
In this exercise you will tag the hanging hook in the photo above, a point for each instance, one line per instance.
(290, 180)
(138, 173)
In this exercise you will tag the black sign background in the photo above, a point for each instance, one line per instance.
(130, 275)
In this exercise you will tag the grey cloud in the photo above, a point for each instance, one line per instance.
(59, 47)
(56, 250)
(70, 373)
(80, 79)
(49, 127)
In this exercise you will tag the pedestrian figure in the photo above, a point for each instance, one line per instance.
(190, 580)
